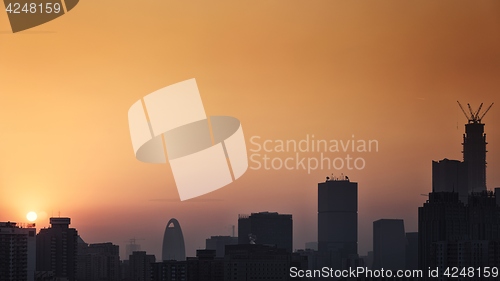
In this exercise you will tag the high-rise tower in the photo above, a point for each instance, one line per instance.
(337, 221)
(173, 242)
(57, 248)
(474, 149)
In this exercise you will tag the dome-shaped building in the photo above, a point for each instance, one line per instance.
(173, 242)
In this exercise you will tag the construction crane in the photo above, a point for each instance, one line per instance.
(474, 116)
(132, 241)
(132, 247)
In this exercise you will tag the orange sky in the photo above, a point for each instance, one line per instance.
(385, 70)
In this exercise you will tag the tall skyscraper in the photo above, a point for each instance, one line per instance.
(389, 244)
(266, 228)
(17, 251)
(337, 221)
(56, 249)
(455, 231)
(468, 175)
(475, 155)
(474, 148)
(173, 242)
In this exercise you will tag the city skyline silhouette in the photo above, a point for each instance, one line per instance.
(337, 206)
(386, 71)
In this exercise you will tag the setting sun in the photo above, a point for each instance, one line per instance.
(31, 216)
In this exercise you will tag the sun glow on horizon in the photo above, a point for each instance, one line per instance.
(31, 216)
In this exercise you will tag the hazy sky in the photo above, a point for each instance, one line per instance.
(389, 71)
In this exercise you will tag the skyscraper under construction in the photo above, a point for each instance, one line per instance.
(467, 176)
(474, 148)
(459, 225)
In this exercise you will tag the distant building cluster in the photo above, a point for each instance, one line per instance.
(59, 253)
(459, 225)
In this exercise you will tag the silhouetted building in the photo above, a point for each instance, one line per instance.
(389, 244)
(140, 266)
(442, 218)
(56, 250)
(411, 250)
(17, 251)
(247, 262)
(337, 222)
(450, 176)
(451, 234)
(173, 242)
(475, 155)
(241, 262)
(98, 262)
(266, 228)
(205, 267)
(218, 243)
(125, 269)
(465, 254)
(455, 231)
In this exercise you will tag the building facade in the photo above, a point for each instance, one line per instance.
(140, 266)
(337, 222)
(17, 251)
(452, 234)
(56, 250)
(100, 261)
